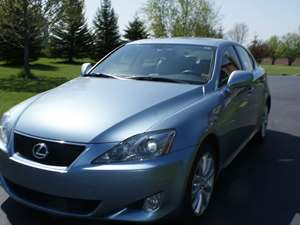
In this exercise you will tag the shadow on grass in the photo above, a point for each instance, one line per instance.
(37, 66)
(16, 84)
(69, 63)
(43, 67)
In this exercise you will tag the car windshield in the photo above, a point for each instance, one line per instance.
(159, 62)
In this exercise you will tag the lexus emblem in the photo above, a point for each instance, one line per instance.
(40, 151)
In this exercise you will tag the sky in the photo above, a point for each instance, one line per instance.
(264, 17)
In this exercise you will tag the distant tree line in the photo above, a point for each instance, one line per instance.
(287, 46)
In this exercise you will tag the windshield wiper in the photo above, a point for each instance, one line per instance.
(158, 79)
(102, 75)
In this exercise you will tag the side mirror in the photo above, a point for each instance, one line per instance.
(85, 68)
(239, 79)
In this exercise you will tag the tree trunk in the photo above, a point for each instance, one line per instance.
(71, 53)
(70, 58)
(290, 62)
(26, 65)
(26, 51)
(273, 61)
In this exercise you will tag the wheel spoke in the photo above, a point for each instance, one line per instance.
(207, 167)
(199, 202)
(204, 165)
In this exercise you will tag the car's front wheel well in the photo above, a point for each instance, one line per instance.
(208, 145)
(213, 140)
(269, 103)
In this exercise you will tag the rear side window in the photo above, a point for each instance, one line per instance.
(230, 63)
(246, 60)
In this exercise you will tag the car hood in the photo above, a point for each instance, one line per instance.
(97, 110)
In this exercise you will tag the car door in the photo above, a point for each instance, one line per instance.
(233, 120)
(254, 92)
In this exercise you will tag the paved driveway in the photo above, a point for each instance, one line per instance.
(260, 187)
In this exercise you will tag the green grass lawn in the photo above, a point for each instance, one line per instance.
(52, 72)
(282, 70)
(49, 73)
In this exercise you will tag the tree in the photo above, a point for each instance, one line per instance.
(23, 26)
(106, 30)
(182, 18)
(220, 32)
(259, 49)
(275, 48)
(160, 14)
(239, 33)
(291, 47)
(70, 37)
(136, 30)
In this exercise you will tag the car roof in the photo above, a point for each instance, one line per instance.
(190, 41)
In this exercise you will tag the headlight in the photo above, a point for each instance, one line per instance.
(5, 129)
(139, 148)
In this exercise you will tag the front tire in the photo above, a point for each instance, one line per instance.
(262, 133)
(201, 182)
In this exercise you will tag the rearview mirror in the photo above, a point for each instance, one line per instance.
(85, 68)
(239, 79)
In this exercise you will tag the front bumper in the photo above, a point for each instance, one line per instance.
(115, 187)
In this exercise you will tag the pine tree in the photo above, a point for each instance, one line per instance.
(22, 26)
(106, 30)
(136, 30)
(70, 37)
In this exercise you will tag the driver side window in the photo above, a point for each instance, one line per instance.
(230, 63)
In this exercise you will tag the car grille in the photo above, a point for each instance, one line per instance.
(60, 154)
(60, 204)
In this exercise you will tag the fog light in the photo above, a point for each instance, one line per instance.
(153, 203)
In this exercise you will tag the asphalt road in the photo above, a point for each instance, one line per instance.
(260, 187)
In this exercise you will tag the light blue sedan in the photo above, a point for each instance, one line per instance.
(141, 135)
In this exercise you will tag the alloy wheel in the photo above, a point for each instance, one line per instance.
(203, 183)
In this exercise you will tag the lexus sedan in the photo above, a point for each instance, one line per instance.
(139, 136)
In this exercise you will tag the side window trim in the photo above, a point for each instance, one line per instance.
(252, 59)
(231, 49)
(238, 55)
(248, 54)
